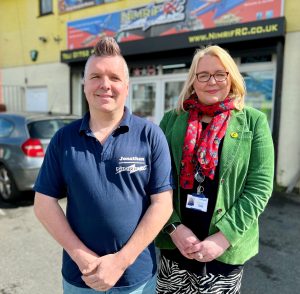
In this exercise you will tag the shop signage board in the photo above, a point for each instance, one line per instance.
(70, 5)
(164, 18)
(233, 33)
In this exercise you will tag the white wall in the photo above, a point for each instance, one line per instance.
(54, 76)
(288, 164)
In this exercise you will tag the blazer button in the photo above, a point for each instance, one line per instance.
(222, 181)
(234, 135)
(219, 210)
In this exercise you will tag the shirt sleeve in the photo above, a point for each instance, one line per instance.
(161, 173)
(50, 180)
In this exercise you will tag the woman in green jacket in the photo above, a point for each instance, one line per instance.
(223, 159)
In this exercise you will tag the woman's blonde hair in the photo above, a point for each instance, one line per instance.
(238, 88)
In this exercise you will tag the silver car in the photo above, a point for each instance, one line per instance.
(24, 138)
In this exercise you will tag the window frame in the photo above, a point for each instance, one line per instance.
(41, 6)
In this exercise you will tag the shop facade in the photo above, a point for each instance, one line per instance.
(158, 45)
(158, 40)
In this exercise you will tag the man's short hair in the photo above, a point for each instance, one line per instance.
(107, 46)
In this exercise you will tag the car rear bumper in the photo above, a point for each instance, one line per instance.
(25, 178)
(24, 171)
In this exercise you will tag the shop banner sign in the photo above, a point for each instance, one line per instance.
(165, 18)
(70, 5)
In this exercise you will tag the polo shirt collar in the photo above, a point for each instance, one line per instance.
(124, 124)
(126, 118)
(84, 127)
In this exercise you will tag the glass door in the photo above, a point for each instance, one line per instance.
(171, 88)
(142, 100)
(152, 96)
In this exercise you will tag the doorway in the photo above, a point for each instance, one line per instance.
(152, 96)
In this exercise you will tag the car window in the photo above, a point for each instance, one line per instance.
(45, 129)
(6, 127)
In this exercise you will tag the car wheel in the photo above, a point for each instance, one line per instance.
(8, 188)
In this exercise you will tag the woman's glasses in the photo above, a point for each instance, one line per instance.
(204, 77)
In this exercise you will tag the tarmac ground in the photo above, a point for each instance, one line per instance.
(276, 269)
(30, 259)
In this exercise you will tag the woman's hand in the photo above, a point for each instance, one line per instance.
(210, 248)
(184, 239)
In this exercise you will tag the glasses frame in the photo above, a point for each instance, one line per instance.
(210, 75)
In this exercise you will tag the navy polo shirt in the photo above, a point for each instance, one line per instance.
(108, 187)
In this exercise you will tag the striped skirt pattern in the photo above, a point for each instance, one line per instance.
(172, 280)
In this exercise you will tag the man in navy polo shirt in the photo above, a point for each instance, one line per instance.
(115, 169)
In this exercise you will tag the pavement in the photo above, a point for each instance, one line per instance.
(276, 269)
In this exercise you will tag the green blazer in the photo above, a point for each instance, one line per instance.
(245, 180)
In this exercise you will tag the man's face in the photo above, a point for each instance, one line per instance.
(106, 84)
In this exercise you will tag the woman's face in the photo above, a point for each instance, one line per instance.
(211, 91)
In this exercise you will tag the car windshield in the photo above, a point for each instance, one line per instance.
(45, 129)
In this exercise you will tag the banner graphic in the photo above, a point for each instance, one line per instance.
(169, 17)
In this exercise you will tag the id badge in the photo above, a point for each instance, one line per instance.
(197, 201)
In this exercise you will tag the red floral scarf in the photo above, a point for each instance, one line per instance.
(203, 146)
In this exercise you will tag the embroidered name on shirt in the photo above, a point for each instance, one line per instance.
(134, 158)
(136, 164)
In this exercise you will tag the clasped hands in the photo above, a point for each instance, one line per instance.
(193, 248)
(102, 273)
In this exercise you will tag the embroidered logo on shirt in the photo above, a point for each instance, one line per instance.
(131, 164)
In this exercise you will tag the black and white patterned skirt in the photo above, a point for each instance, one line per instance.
(173, 280)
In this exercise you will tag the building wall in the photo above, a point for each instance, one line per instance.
(291, 12)
(53, 76)
(288, 162)
(22, 29)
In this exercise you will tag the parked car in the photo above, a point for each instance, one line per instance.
(24, 138)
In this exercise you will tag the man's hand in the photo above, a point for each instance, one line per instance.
(84, 258)
(104, 272)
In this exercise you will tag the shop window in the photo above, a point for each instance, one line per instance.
(260, 84)
(143, 100)
(256, 59)
(46, 7)
(172, 90)
(175, 68)
(150, 70)
(152, 96)
(260, 91)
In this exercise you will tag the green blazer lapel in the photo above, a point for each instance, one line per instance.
(232, 140)
(177, 140)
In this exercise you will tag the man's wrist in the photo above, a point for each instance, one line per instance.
(125, 258)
